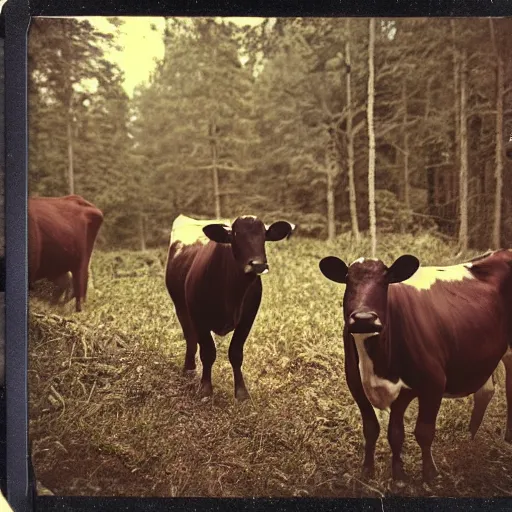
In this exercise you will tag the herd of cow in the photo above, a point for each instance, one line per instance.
(409, 331)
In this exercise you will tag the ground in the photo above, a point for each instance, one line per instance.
(111, 413)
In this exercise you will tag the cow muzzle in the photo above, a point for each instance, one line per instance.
(257, 267)
(362, 322)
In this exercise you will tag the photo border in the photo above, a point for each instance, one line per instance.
(20, 487)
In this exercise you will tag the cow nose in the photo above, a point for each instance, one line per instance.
(258, 266)
(364, 321)
(364, 316)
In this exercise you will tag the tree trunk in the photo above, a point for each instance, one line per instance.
(463, 182)
(350, 141)
(454, 182)
(71, 172)
(371, 139)
(498, 173)
(331, 221)
(215, 170)
(407, 198)
(142, 233)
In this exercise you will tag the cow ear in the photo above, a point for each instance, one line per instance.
(334, 269)
(278, 230)
(403, 268)
(218, 233)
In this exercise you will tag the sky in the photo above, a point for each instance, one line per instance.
(143, 46)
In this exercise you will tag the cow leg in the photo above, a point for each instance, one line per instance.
(371, 426)
(507, 361)
(481, 400)
(208, 354)
(84, 279)
(396, 432)
(425, 430)
(236, 347)
(77, 286)
(191, 340)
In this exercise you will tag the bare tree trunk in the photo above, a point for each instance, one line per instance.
(142, 233)
(215, 171)
(371, 138)
(498, 172)
(407, 199)
(350, 140)
(463, 182)
(331, 221)
(456, 113)
(68, 98)
(71, 172)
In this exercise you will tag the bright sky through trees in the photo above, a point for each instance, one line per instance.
(142, 45)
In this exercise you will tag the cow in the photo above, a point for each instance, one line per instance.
(420, 332)
(61, 236)
(212, 275)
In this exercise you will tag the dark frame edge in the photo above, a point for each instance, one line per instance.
(17, 20)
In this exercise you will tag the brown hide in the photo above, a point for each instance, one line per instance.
(432, 333)
(213, 277)
(61, 236)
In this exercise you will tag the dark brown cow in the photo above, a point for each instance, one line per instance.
(429, 332)
(62, 232)
(213, 277)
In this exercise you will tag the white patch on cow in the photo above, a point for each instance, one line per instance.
(248, 217)
(189, 231)
(425, 277)
(380, 392)
(362, 260)
(179, 248)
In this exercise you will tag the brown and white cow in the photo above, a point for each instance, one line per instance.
(425, 332)
(61, 236)
(213, 277)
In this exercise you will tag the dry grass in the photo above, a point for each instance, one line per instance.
(112, 415)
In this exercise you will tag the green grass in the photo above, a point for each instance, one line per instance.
(112, 415)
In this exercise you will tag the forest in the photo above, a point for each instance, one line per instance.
(374, 136)
(329, 122)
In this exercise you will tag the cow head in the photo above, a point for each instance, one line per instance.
(247, 237)
(366, 293)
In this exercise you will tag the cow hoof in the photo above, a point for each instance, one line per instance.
(242, 395)
(205, 390)
(399, 475)
(368, 472)
(430, 474)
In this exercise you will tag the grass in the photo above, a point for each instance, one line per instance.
(112, 415)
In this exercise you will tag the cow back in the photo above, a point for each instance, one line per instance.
(62, 232)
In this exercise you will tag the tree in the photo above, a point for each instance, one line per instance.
(463, 180)
(498, 173)
(371, 137)
(203, 95)
(350, 137)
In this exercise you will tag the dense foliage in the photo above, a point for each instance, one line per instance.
(261, 120)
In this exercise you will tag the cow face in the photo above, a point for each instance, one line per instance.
(367, 281)
(247, 237)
